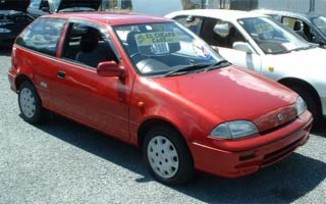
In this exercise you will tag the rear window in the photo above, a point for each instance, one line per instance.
(42, 36)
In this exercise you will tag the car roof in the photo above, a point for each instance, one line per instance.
(112, 18)
(224, 14)
(288, 13)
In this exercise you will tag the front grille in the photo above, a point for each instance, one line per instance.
(280, 153)
(276, 119)
(276, 128)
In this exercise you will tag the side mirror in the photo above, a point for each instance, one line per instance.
(317, 39)
(243, 46)
(110, 69)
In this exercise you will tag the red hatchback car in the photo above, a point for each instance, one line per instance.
(152, 83)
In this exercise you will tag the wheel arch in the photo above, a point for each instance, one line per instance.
(295, 82)
(20, 79)
(151, 122)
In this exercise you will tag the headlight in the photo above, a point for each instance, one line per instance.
(234, 129)
(300, 106)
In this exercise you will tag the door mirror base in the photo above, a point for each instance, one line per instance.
(111, 69)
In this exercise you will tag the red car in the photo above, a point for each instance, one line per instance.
(152, 83)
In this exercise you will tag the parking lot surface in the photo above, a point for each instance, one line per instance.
(61, 161)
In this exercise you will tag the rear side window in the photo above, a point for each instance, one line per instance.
(42, 36)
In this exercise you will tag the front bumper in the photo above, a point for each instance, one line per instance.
(11, 77)
(243, 157)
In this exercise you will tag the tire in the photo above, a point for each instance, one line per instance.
(312, 104)
(30, 103)
(167, 156)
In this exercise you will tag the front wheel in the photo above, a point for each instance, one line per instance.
(310, 101)
(29, 103)
(167, 156)
(312, 105)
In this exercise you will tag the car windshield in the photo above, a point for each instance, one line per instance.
(272, 37)
(166, 49)
(320, 22)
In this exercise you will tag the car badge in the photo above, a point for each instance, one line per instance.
(280, 117)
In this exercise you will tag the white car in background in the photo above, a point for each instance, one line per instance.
(257, 42)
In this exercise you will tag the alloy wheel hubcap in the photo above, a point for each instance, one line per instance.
(163, 157)
(27, 102)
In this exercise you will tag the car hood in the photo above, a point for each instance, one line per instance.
(228, 93)
(307, 64)
(18, 5)
(78, 4)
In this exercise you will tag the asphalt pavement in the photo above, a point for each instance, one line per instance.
(61, 161)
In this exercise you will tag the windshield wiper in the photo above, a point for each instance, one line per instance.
(304, 48)
(279, 52)
(182, 68)
(222, 63)
(295, 49)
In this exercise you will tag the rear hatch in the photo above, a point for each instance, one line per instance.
(78, 5)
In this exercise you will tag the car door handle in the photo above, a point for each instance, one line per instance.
(61, 74)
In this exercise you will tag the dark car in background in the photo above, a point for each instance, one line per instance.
(38, 8)
(13, 19)
(310, 26)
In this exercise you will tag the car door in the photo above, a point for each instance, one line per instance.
(223, 42)
(300, 26)
(229, 42)
(83, 95)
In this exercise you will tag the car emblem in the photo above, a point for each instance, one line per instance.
(280, 117)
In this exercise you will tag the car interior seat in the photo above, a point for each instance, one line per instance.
(132, 47)
(298, 28)
(88, 45)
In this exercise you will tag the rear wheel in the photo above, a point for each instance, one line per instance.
(29, 103)
(167, 156)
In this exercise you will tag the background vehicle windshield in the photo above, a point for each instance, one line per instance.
(320, 22)
(272, 37)
(159, 48)
(56, 4)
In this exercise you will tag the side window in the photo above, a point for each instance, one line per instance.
(299, 26)
(191, 22)
(274, 16)
(87, 45)
(44, 6)
(219, 33)
(43, 35)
